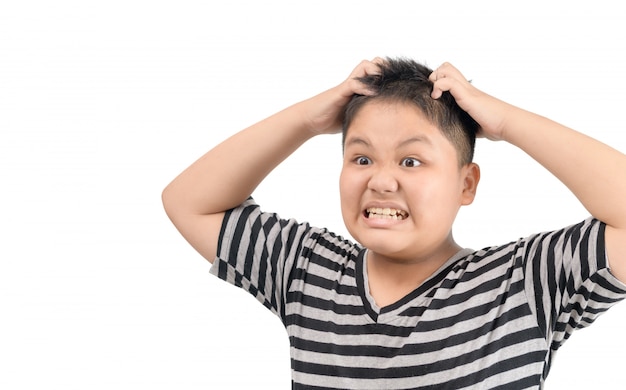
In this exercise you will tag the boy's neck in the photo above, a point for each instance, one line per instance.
(391, 280)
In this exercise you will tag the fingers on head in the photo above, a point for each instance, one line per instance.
(444, 70)
(436, 93)
(365, 68)
(379, 60)
(359, 88)
(373, 66)
(433, 76)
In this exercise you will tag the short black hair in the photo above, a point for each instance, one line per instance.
(404, 80)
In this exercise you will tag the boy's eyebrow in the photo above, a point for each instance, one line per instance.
(417, 138)
(357, 140)
(364, 142)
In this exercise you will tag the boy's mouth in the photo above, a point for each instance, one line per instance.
(385, 213)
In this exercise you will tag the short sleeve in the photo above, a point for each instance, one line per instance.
(256, 252)
(568, 281)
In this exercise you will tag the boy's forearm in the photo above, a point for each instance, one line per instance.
(228, 174)
(593, 171)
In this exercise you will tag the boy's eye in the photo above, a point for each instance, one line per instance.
(410, 162)
(362, 160)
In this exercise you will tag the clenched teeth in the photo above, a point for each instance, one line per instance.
(388, 213)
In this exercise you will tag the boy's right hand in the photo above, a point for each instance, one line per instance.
(323, 113)
(196, 205)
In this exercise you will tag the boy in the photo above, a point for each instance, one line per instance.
(407, 307)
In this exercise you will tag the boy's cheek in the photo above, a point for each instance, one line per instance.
(351, 186)
(349, 196)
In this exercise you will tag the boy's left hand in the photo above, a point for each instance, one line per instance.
(595, 177)
(489, 112)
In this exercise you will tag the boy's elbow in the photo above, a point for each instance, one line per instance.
(171, 206)
(165, 198)
(168, 201)
(200, 230)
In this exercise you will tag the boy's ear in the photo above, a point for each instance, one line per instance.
(471, 176)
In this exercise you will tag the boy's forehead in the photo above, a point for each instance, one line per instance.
(393, 117)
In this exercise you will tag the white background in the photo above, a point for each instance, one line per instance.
(103, 103)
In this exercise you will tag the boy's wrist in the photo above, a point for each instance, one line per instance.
(321, 114)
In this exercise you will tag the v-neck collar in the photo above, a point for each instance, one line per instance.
(389, 312)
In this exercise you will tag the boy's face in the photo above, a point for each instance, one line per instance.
(401, 185)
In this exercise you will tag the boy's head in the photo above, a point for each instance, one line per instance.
(406, 166)
(406, 81)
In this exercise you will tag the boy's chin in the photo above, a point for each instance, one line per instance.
(389, 252)
(390, 245)
(395, 249)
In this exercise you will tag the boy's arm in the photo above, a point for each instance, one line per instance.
(226, 176)
(593, 171)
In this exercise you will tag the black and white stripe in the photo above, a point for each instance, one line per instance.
(487, 319)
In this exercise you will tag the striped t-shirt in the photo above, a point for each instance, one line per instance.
(491, 318)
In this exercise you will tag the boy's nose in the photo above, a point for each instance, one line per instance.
(382, 180)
